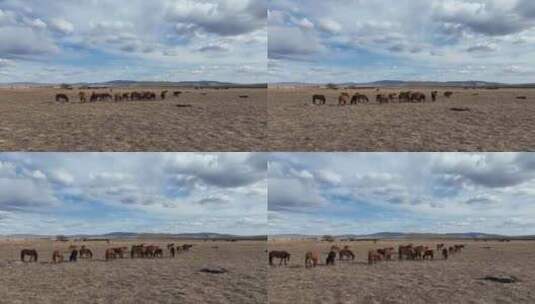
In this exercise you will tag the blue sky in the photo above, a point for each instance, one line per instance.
(368, 40)
(96, 40)
(69, 193)
(338, 193)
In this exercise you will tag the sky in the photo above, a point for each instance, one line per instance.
(96, 193)
(368, 40)
(364, 193)
(163, 40)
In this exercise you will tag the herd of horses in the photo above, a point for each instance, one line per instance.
(122, 96)
(136, 251)
(405, 252)
(402, 97)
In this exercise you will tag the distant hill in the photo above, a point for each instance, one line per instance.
(400, 83)
(132, 83)
(404, 236)
(133, 235)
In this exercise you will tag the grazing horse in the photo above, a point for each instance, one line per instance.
(448, 94)
(85, 253)
(373, 257)
(177, 93)
(162, 94)
(445, 253)
(406, 251)
(457, 248)
(83, 98)
(434, 95)
(386, 253)
(312, 259)
(428, 253)
(137, 251)
(419, 251)
(32, 253)
(404, 96)
(62, 97)
(158, 252)
(392, 96)
(125, 96)
(150, 251)
(381, 98)
(331, 257)
(117, 97)
(451, 250)
(284, 256)
(186, 247)
(418, 97)
(74, 255)
(57, 257)
(119, 251)
(343, 98)
(110, 254)
(359, 98)
(320, 99)
(342, 254)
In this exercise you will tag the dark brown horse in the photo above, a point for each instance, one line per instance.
(428, 253)
(284, 256)
(405, 251)
(32, 253)
(57, 257)
(320, 99)
(373, 257)
(137, 251)
(85, 253)
(445, 253)
(62, 98)
(331, 257)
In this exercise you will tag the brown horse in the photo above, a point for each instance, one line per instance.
(32, 253)
(62, 98)
(359, 98)
(158, 252)
(428, 253)
(448, 94)
(186, 247)
(440, 246)
(418, 252)
(312, 259)
(373, 257)
(434, 95)
(386, 253)
(445, 253)
(284, 256)
(346, 253)
(343, 99)
(163, 94)
(57, 257)
(331, 257)
(380, 98)
(177, 93)
(110, 254)
(83, 98)
(318, 98)
(405, 251)
(404, 96)
(137, 251)
(85, 253)
(418, 97)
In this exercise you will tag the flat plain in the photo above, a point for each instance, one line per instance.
(198, 120)
(456, 280)
(489, 120)
(139, 280)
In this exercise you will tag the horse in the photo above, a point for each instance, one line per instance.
(74, 256)
(162, 94)
(177, 93)
(110, 254)
(445, 253)
(392, 96)
(137, 251)
(342, 254)
(83, 98)
(428, 253)
(439, 246)
(418, 252)
(386, 253)
(404, 96)
(57, 257)
(119, 251)
(318, 98)
(434, 95)
(331, 257)
(62, 97)
(418, 97)
(373, 257)
(32, 253)
(448, 94)
(284, 256)
(358, 98)
(158, 252)
(406, 251)
(312, 259)
(380, 98)
(117, 97)
(343, 98)
(186, 247)
(85, 253)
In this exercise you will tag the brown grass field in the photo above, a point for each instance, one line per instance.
(497, 121)
(218, 121)
(158, 280)
(456, 280)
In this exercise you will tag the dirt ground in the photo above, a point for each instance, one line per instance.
(456, 280)
(159, 280)
(31, 120)
(496, 121)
